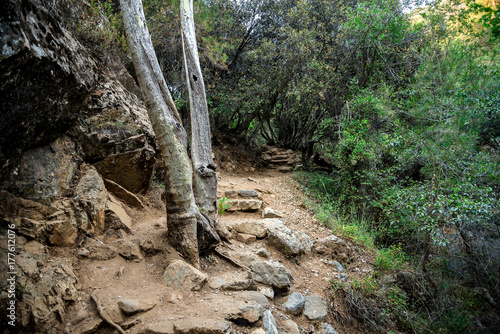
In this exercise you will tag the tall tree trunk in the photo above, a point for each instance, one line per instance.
(182, 212)
(205, 178)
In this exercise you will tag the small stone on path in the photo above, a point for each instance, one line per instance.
(292, 327)
(248, 193)
(327, 329)
(269, 323)
(270, 213)
(183, 276)
(295, 303)
(131, 306)
(246, 238)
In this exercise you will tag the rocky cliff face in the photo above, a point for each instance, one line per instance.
(67, 124)
(46, 77)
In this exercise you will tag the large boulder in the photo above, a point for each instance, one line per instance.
(132, 169)
(46, 172)
(46, 77)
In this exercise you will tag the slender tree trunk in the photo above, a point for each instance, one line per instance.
(182, 212)
(205, 178)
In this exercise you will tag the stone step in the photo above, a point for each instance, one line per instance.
(279, 161)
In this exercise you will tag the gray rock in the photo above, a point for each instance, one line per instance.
(248, 193)
(115, 313)
(202, 326)
(285, 169)
(183, 276)
(131, 306)
(315, 308)
(240, 285)
(285, 240)
(262, 252)
(327, 329)
(271, 273)
(216, 283)
(335, 247)
(307, 242)
(269, 323)
(47, 294)
(337, 265)
(343, 277)
(268, 292)
(89, 325)
(270, 213)
(232, 205)
(266, 157)
(294, 304)
(246, 259)
(12, 206)
(130, 323)
(34, 253)
(256, 297)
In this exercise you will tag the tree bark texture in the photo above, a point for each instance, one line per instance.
(182, 212)
(205, 178)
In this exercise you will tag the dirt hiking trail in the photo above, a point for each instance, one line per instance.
(137, 294)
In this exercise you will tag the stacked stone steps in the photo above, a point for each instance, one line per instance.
(241, 200)
(281, 159)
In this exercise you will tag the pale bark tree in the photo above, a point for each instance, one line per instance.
(189, 230)
(205, 178)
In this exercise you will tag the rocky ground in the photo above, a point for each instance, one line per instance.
(270, 276)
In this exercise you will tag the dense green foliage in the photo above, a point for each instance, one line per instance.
(405, 106)
(417, 168)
